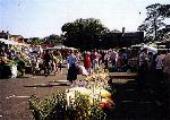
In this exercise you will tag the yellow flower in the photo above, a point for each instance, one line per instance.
(105, 93)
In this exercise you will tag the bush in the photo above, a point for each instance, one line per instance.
(55, 107)
(50, 108)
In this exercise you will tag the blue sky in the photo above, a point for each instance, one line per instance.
(44, 17)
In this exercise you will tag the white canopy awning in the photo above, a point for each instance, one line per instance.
(58, 47)
(10, 42)
(150, 49)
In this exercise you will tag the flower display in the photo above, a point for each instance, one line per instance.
(94, 88)
(88, 100)
(107, 103)
(98, 74)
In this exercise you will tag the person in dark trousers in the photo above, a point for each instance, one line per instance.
(47, 59)
(166, 72)
(142, 70)
(72, 69)
(2, 63)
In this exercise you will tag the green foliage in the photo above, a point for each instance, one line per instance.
(36, 41)
(50, 108)
(154, 22)
(53, 39)
(111, 90)
(12, 62)
(165, 10)
(80, 109)
(55, 108)
(82, 101)
(83, 33)
(83, 110)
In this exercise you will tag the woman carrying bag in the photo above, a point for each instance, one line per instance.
(72, 68)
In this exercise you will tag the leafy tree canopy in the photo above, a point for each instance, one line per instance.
(84, 33)
(154, 22)
(36, 41)
(53, 39)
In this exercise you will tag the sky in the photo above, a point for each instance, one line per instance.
(41, 18)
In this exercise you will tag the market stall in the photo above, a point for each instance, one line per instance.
(10, 61)
(90, 99)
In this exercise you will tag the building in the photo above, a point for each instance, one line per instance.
(17, 38)
(4, 34)
(123, 39)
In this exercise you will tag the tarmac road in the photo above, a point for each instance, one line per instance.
(14, 94)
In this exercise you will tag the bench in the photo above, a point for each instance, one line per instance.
(123, 75)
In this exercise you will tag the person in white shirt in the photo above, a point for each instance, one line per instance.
(143, 69)
(143, 58)
(166, 64)
(114, 58)
(158, 81)
(107, 59)
(166, 71)
(159, 61)
(159, 66)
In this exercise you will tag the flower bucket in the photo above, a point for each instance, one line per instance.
(14, 71)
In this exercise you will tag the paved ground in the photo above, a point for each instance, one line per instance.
(130, 104)
(14, 94)
(136, 105)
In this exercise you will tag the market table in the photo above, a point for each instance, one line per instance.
(123, 75)
(5, 72)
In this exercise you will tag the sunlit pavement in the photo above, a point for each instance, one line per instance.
(130, 104)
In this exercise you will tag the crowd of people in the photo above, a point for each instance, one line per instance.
(32, 59)
(46, 62)
(86, 62)
(154, 77)
(153, 68)
(11, 60)
(117, 61)
(52, 61)
(35, 60)
(154, 65)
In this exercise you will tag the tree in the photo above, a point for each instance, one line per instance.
(165, 10)
(36, 40)
(53, 39)
(84, 33)
(154, 24)
(115, 31)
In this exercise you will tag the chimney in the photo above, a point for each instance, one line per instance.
(123, 29)
(7, 35)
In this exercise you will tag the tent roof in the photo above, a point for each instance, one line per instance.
(60, 47)
(10, 42)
